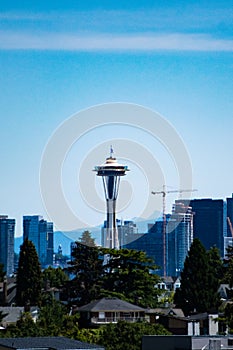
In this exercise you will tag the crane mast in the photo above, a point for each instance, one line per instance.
(164, 193)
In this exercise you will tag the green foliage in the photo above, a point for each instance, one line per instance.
(51, 317)
(126, 274)
(25, 327)
(215, 273)
(87, 269)
(199, 280)
(89, 335)
(228, 267)
(86, 239)
(129, 275)
(124, 335)
(28, 276)
(228, 317)
(55, 277)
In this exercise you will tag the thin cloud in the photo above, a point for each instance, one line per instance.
(107, 42)
(174, 18)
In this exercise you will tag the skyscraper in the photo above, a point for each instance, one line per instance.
(40, 232)
(111, 171)
(151, 243)
(230, 217)
(7, 233)
(179, 237)
(208, 222)
(228, 220)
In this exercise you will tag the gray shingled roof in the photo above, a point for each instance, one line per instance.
(110, 304)
(13, 313)
(56, 343)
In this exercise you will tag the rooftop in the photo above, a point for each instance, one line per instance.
(51, 343)
(110, 304)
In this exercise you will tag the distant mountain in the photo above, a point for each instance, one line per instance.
(63, 238)
(59, 238)
(76, 234)
(142, 224)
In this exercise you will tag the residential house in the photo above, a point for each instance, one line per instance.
(7, 291)
(13, 314)
(174, 320)
(110, 310)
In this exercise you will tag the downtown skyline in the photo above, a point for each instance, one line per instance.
(56, 60)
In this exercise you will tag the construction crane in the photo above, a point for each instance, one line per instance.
(164, 193)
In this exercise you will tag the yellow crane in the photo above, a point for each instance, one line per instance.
(164, 193)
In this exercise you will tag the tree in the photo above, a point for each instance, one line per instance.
(26, 327)
(216, 264)
(98, 272)
(51, 317)
(198, 290)
(129, 275)
(28, 279)
(228, 267)
(55, 277)
(125, 335)
(215, 273)
(87, 268)
(86, 239)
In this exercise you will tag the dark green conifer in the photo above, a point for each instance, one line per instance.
(28, 280)
(199, 282)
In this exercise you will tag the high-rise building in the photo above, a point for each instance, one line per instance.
(40, 232)
(111, 172)
(208, 223)
(179, 237)
(151, 243)
(126, 231)
(230, 217)
(7, 235)
(228, 221)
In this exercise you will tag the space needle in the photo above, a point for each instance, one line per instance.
(111, 171)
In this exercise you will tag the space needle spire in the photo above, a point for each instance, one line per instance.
(111, 171)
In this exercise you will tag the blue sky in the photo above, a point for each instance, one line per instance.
(57, 58)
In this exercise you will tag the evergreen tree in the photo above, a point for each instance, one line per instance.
(129, 274)
(51, 317)
(26, 327)
(98, 272)
(215, 273)
(86, 239)
(228, 267)
(125, 335)
(55, 277)
(28, 279)
(198, 290)
(87, 268)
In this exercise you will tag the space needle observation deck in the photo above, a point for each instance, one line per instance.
(111, 171)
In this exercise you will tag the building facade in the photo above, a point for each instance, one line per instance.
(7, 236)
(179, 237)
(40, 232)
(208, 222)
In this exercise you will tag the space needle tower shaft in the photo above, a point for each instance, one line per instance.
(111, 171)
